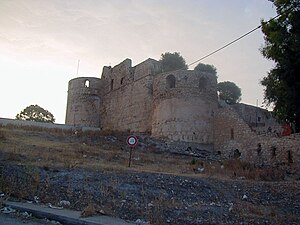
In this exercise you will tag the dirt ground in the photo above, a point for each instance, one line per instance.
(163, 186)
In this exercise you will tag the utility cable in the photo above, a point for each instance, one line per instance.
(230, 43)
(237, 39)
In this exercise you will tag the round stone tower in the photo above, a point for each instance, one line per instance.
(83, 105)
(184, 105)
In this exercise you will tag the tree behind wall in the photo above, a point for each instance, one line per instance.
(172, 61)
(282, 45)
(201, 67)
(229, 92)
(35, 113)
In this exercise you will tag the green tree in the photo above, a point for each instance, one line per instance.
(35, 113)
(206, 68)
(172, 61)
(229, 92)
(282, 45)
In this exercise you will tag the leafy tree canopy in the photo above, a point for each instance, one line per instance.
(206, 68)
(172, 61)
(229, 92)
(35, 113)
(282, 45)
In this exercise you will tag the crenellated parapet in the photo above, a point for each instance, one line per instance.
(184, 84)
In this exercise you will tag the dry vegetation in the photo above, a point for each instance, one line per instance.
(90, 150)
(99, 150)
(56, 149)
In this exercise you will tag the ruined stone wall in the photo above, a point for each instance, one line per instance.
(277, 150)
(128, 97)
(25, 124)
(232, 134)
(260, 120)
(184, 106)
(84, 102)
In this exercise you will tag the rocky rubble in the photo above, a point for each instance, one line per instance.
(158, 198)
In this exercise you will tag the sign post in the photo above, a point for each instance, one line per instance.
(132, 141)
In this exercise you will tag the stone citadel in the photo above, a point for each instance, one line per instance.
(179, 105)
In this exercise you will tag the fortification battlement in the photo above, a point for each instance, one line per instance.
(185, 83)
(143, 99)
(124, 74)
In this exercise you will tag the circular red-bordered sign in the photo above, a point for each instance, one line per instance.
(132, 141)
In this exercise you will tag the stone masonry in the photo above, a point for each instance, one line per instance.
(234, 138)
(179, 105)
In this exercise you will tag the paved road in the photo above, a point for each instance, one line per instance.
(65, 216)
(13, 219)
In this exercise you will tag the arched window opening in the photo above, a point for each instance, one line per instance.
(171, 81)
(112, 84)
(273, 150)
(87, 83)
(258, 149)
(202, 83)
(236, 154)
(122, 80)
(231, 133)
(290, 156)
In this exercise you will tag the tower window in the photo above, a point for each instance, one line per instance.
(122, 80)
(290, 156)
(171, 81)
(87, 83)
(258, 149)
(231, 133)
(236, 154)
(112, 84)
(273, 151)
(202, 83)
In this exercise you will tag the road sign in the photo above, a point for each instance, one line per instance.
(132, 141)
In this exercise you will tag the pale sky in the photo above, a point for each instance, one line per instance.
(41, 42)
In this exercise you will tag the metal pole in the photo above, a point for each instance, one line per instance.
(130, 155)
(256, 112)
(77, 68)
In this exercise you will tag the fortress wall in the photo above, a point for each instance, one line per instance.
(128, 102)
(184, 111)
(183, 119)
(260, 120)
(149, 66)
(84, 102)
(188, 83)
(129, 107)
(278, 151)
(117, 77)
(231, 132)
(30, 124)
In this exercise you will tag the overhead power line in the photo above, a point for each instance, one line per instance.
(230, 43)
(235, 40)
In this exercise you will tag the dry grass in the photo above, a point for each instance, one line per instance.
(92, 210)
(38, 150)
(250, 211)
(234, 168)
(92, 150)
